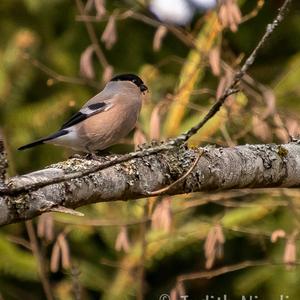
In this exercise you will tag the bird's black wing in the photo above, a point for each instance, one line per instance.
(86, 112)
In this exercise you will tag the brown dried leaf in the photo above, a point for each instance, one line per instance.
(214, 61)
(221, 87)
(219, 234)
(209, 248)
(100, 8)
(231, 19)
(159, 36)
(293, 127)
(279, 233)
(281, 131)
(55, 257)
(261, 129)
(289, 256)
(86, 63)
(162, 216)
(173, 294)
(181, 289)
(65, 252)
(45, 227)
(109, 36)
(223, 18)
(88, 6)
(107, 74)
(138, 138)
(213, 246)
(41, 226)
(270, 99)
(230, 15)
(122, 241)
(282, 135)
(236, 13)
(155, 123)
(49, 232)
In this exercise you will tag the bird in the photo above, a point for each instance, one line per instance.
(103, 120)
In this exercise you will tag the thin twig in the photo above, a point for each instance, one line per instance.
(40, 260)
(254, 12)
(58, 77)
(227, 269)
(189, 171)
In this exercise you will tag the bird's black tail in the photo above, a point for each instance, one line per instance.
(42, 140)
(38, 142)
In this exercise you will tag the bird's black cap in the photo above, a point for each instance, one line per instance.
(133, 78)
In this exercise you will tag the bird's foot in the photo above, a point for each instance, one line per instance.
(76, 155)
(98, 156)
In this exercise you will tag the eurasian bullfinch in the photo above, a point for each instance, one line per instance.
(104, 119)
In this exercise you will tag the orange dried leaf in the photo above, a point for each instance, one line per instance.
(261, 129)
(162, 216)
(214, 61)
(138, 138)
(100, 8)
(279, 233)
(159, 36)
(289, 256)
(109, 36)
(107, 74)
(86, 63)
(65, 252)
(122, 241)
(221, 87)
(55, 257)
(155, 124)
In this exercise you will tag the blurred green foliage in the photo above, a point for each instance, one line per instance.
(34, 103)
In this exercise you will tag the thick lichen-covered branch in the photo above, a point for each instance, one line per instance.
(259, 166)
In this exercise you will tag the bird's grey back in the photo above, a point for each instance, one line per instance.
(114, 88)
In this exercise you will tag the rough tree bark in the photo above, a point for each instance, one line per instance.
(257, 166)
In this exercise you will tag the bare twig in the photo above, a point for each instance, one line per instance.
(58, 77)
(254, 12)
(189, 171)
(227, 269)
(40, 260)
(65, 210)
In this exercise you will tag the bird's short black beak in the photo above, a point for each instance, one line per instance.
(143, 88)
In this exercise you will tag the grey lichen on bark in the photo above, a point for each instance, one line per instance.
(257, 166)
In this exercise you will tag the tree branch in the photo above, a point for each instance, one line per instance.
(256, 166)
